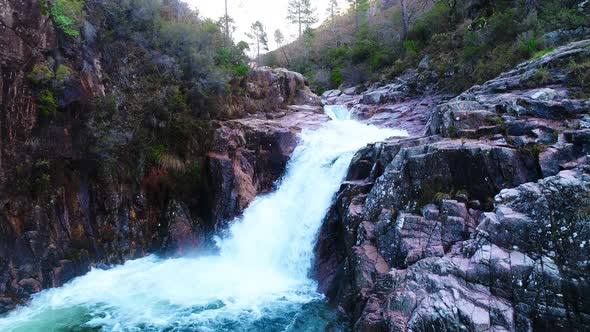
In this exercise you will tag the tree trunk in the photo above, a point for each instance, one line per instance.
(226, 25)
(299, 21)
(404, 19)
(333, 23)
(356, 16)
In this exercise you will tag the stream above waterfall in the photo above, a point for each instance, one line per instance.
(259, 280)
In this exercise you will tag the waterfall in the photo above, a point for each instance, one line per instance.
(258, 281)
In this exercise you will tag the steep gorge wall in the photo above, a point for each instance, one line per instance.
(75, 187)
(481, 224)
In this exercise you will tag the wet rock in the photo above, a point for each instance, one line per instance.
(248, 156)
(183, 233)
(331, 94)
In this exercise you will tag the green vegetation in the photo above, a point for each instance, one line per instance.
(176, 101)
(580, 77)
(63, 74)
(40, 74)
(155, 153)
(67, 15)
(532, 150)
(188, 53)
(466, 42)
(46, 103)
(542, 53)
(540, 77)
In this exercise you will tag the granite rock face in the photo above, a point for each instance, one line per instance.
(480, 224)
(75, 191)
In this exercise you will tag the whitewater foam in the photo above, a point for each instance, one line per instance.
(259, 279)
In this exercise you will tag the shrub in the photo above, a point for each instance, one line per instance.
(363, 50)
(155, 153)
(336, 77)
(337, 56)
(63, 74)
(410, 48)
(436, 20)
(176, 101)
(561, 14)
(473, 47)
(241, 70)
(580, 77)
(502, 27)
(67, 15)
(529, 46)
(543, 52)
(40, 74)
(194, 171)
(106, 104)
(539, 78)
(46, 103)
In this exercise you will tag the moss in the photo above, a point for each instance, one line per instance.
(532, 150)
(543, 52)
(495, 120)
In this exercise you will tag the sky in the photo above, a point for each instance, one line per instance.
(272, 13)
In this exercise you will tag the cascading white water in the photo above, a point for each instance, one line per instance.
(338, 112)
(258, 281)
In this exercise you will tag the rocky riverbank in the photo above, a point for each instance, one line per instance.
(480, 221)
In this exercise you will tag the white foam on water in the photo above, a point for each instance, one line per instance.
(338, 112)
(260, 275)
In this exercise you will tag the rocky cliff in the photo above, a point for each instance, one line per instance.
(101, 161)
(480, 221)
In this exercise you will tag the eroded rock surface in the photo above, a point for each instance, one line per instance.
(482, 224)
(89, 184)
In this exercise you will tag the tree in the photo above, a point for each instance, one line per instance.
(226, 19)
(404, 18)
(280, 39)
(259, 38)
(228, 25)
(67, 15)
(360, 7)
(301, 13)
(333, 11)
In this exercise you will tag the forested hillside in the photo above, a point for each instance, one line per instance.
(454, 43)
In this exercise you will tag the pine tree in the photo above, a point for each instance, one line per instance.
(360, 8)
(300, 12)
(333, 10)
(259, 38)
(279, 40)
